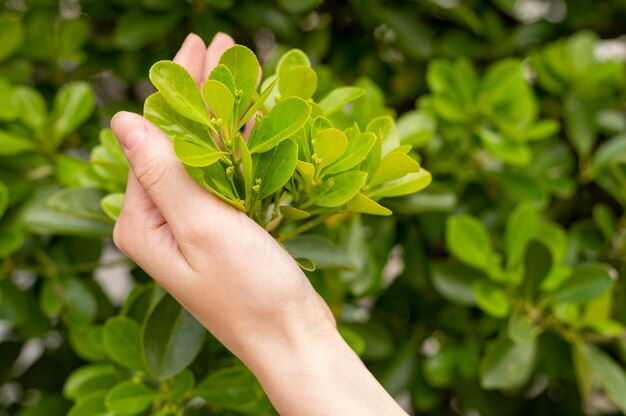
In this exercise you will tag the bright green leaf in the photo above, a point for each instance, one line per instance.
(129, 398)
(179, 90)
(285, 119)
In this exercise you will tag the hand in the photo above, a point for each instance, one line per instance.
(229, 272)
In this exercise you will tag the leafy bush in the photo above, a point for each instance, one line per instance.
(499, 288)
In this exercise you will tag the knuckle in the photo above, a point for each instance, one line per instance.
(150, 170)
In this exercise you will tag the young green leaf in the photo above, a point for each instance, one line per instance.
(361, 203)
(273, 168)
(394, 166)
(299, 82)
(358, 148)
(247, 167)
(112, 205)
(244, 68)
(222, 74)
(328, 146)
(285, 119)
(338, 189)
(159, 112)
(293, 214)
(408, 184)
(219, 99)
(339, 97)
(179, 90)
(195, 153)
(4, 198)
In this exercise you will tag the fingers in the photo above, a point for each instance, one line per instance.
(219, 44)
(142, 234)
(174, 193)
(192, 55)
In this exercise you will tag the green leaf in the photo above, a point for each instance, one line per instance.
(361, 203)
(219, 99)
(90, 405)
(135, 29)
(37, 217)
(11, 35)
(385, 129)
(247, 167)
(33, 110)
(295, 77)
(89, 379)
(408, 184)
(605, 370)
(328, 146)
(491, 298)
(122, 341)
(521, 225)
(159, 112)
(71, 297)
(521, 328)
(339, 97)
(293, 214)
(9, 105)
(79, 202)
(507, 365)
(12, 144)
(285, 119)
(72, 106)
(290, 60)
(171, 338)
(299, 82)
(586, 282)
(358, 148)
(11, 239)
(321, 251)
(394, 166)
(580, 125)
(87, 342)
(181, 384)
(338, 189)
(257, 104)
(222, 74)
(195, 153)
(129, 398)
(112, 205)
(509, 151)
(179, 90)
(454, 282)
(4, 198)
(274, 168)
(468, 240)
(230, 388)
(244, 68)
(537, 266)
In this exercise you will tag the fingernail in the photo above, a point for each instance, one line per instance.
(129, 129)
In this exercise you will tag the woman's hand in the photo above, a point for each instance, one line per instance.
(229, 272)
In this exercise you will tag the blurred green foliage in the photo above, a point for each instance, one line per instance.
(499, 289)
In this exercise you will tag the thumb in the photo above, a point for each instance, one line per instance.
(158, 171)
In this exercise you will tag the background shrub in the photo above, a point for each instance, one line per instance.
(499, 289)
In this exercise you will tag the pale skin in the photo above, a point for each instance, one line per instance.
(233, 276)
